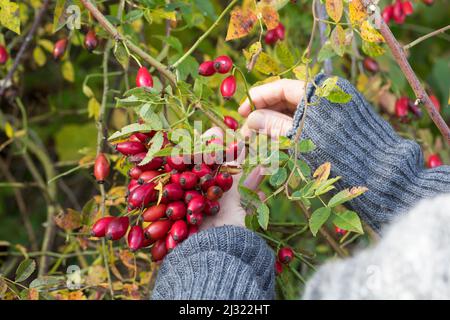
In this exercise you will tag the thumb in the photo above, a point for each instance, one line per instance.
(269, 122)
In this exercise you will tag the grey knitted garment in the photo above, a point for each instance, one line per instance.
(234, 263)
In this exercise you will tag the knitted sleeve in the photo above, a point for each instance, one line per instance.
(222, 263)
(365, 151)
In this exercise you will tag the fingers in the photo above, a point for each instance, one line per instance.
(254, 179)
(281, 95)
(268, 122)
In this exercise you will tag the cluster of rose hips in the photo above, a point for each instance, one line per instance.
(90, 42)
(222, 64)
(285, 256)
(397, 11)
(189, 193)
(275, 34)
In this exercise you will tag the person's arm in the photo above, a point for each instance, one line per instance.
(221, 263)
(365, 151)
(410, 262)
(362, 147)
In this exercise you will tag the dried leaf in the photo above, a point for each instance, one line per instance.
(335, 8)
(322, 173)
(68, 220)
(357, 11)
(241, 23)
(131, 291)
(269, 15)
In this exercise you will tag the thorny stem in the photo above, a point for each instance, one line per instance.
(204, 35)
(402, 61)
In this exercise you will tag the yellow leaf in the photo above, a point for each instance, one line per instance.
(369, 33)
(9, 130)
(269, 15)
(159, 187)
(93, 108)
(39, 56)
(241, 23)
(337, 39)
(322, 173)
(300, 72)
(335, 8)
(10, 15)
(361, 82)
(46, 44)
(357, 12)
(68, 71)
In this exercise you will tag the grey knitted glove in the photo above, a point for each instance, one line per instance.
(365, 151)
(219, 263)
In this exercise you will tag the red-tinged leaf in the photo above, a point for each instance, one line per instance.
(335, 8)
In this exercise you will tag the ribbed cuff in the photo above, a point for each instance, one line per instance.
(219, 263)
(365, 151)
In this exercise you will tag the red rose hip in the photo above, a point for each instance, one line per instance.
(285, 255)
(206, 69)
(117, 228)
(159, 250)
(179, 230)
(135, 238)
(214, 193)
(176, 210)
(188, 180)
(90, 40)
(129, 148)
(228, 87)
(223, 64)
(224, 180)
(191, 194)
(154, 213)
(170, 243)
(434, 161)
(99, 228)
(59, 49)
(101, 168)
(172, 192)
(401, 107)
(196, 205)
(158, 229)
(211, 207)
(144, 78)
(195, 218)
(3, 55)
(201, 169)
(231, 122)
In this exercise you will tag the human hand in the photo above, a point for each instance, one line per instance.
(231, 212)
(275, 104)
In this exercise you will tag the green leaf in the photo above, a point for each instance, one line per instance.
(251, 222)
(306, 145)
(164, 152)
(173, 42)
(284, 54)
(129, 129)
(279, 177)
(263, 215)
(133, 15)
(131, 101)
(150, 117)
(348, 220)
(25, 269)
(346, 195)
(10, 15)
(339, 96)
(318, 218)
(326, 52)
(156, 144)
(46, 282)
(121, 55)
(326, 186)
(188, 67)
(206, 8)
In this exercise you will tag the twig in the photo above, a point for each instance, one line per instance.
(205, 34)
(425, 37)
(321, 13)
(133, 47)
(24, 46)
